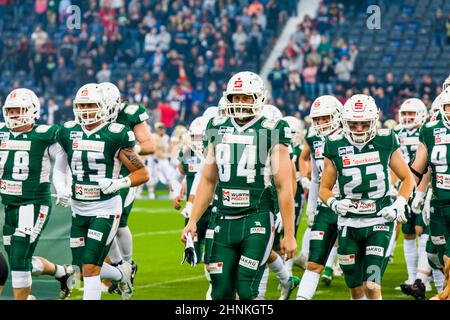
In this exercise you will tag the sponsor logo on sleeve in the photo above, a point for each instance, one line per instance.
(249, 263)
(215, 267)
(346, 259)
(316, 235)
(375, 250)
(361, 159)
(235, 198)
(438, 240)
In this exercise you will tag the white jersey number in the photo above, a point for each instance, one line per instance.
(21, 166)
(77, 165)
(356, 181)
(246, 164)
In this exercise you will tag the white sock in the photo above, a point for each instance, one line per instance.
(305, 242)
(60, 271)
(308, 285)
(331, 257)
(110, 272)
(125, 243)
(411, 257)
(280, 269)
(114, 252)
(362, 298)
(289, 264)
(438, 278)
(37, 267)
(92, 288)
(423, 267)
(263, 284)
(392, 244)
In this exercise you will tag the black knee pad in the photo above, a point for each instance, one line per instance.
(3, 270)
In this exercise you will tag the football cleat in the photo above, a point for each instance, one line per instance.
(416, 290)
(327, 276)
(287, 288)
(125, 285)
(134, 269)
(66, 281)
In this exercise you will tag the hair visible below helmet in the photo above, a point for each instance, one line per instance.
(296, 128)
(211, 112)
(29, 108)
(246, 83)
(443, 101)
(359, 108)
(271, 112)
(111, 99)
(326, 105)
(89, 94)
(412, 105)
(197, 131)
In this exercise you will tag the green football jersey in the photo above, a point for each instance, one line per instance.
(436, 137)
(93, 155)
(191, 165)
(316, 145)
(297, 151)
(363, 174)
(131, 115)
(409, 141)
(242, 156)
(25, 165)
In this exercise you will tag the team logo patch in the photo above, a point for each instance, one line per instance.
(438, 240)
(361, 159)
(381, 228)
(346, 259)
(443, 181)
(217, 229)
(215, 267)
(439, 131)
(235, 198)
(358, 106)
(375, 250)
(260, 230)
(76, 135)
(316, 235)
(13, 188)
(223, 130)
(348, 150)
(96, 235)
(77, 242)
(249, 263)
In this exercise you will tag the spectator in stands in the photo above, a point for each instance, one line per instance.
(8, 59)
(326, 77)
(278, 79)
(323, 20)
(447, 26)
(38, 37)
(104, 75)
(156, 61)
(438, 28)
(239, 37)
(310, 79)
(324, 46)
(255, 7)
(427, 87)
(52, 109)
(151, 42)
(62, 78)
(23, 54)
(371, 83)
(294, 89)
(343, 70)
(354, 84)
(315, 39)
(314, 56)
(407, 88)
(164, 39)
(167, 115)
(383, 103)
(390, 87)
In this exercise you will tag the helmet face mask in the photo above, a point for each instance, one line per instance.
(88, 105)
(323, 125)
(361, 132)
(326, 115)
(21, 108)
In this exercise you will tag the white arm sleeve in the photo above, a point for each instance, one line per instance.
(62, 177)
(313, 194)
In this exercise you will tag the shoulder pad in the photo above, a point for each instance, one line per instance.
(431, 124)
(131, 109)
(398, 127)
(2, 125)
(311, 133)
(70, 124)
(42, 128)
(116, 127)
(383, 132)
(269, 124)
(218, 120)
(336, 136)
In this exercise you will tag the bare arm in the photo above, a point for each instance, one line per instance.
(423, 186)
(401, 170)
(328, 180)
(304, 159)
(131, 160)
(294, 178)
(144, 138)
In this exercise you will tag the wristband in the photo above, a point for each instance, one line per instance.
(330, 201)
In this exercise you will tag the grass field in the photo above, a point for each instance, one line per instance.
(156, 228)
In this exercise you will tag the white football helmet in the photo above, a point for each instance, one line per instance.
(271, 112)
(111, 99)
(89, 94)
(296, 128)
(28, 104)
(360, 108)
(247, 83)
(436, 105)
(211, 112)
(326, 105)
(446, 84)
(221, 106)
(412, 105)
(445, 100)
(197, 132)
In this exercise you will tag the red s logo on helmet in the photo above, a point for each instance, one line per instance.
(238, 83)
(84, 93)
(358, 106)
(13, 94)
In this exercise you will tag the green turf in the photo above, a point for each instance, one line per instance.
(156, 228)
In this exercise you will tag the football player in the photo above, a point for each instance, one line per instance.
(358, 159)
(325, 114)
(433, 151)
(94, 151)
(25, 160)
(246, 152)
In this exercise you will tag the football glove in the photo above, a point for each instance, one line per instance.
(417, 202)
(395, 211)
(305, 182)
(109, 186)
(339, 206)
(63, 198)
(186, 212)
(189, 254)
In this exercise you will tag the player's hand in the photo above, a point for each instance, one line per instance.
(278, 223)
(288, 246)
(177, 202)
(339, 206)
(109, 186)
(310, 215)
(395, 211)
(417, 202)
(306, 183)
(63, 198)
(426, 213)
(190, 227)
